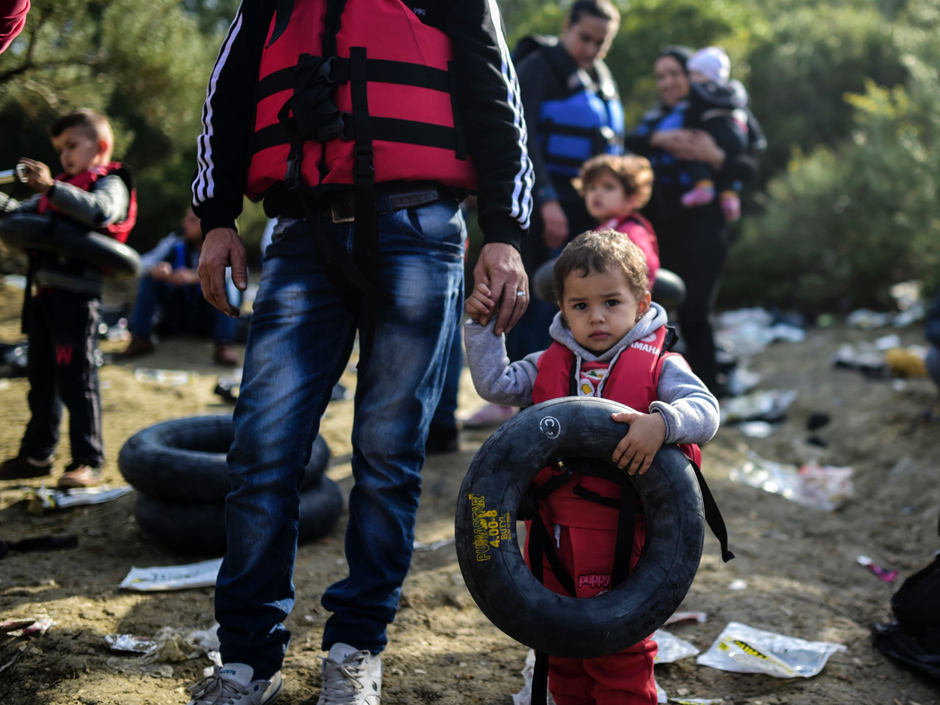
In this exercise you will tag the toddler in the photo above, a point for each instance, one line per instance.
(61, 317)
(610, 342)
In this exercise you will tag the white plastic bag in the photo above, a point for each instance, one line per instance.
(176, 577)
(743, 649)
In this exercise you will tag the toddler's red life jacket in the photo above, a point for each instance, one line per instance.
(631, 380)
(391, 82)
(85, 180)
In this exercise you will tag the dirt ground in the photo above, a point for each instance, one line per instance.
(799, 564)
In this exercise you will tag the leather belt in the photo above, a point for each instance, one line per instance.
(342, 207)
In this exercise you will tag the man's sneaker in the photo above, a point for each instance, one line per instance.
(222, 354)
(22, 467)
(351, 677)
(137, 347)
(79, 475)
(232, 685)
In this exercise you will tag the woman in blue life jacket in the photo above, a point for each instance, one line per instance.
(693, 242)
(573, 112)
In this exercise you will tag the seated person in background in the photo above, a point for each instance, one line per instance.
(61, 317)
(171, 284)
(932, 332)
(615, 189)
(713, 98)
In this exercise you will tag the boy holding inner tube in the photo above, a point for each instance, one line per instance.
(611, 341)
(61, 318)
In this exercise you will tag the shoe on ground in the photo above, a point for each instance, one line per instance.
(441, 440)
(351, 677)
(232, 685)
(137, 347)
(700, 196)
(79, 475)
(223, 355)
(490, 416)
(21, 468)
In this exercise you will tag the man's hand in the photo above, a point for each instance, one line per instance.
(222, 248)
(38, 175)
(184, 277)
(500, 269)
(636, 450)
(556, 225)
(160, 272)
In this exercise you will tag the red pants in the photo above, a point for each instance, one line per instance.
(585, 540)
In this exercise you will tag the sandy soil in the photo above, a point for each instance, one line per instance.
(798, 563)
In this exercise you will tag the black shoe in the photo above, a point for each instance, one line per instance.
(22, 468)
(442, 440)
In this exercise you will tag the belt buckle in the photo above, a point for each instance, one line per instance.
(336, 210)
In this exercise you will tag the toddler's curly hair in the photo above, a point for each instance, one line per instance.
(602, 251)
(634, 173)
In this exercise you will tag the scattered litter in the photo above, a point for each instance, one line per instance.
(14, 358)
(865, 318)
(737, 585)
(661, 697)
(742, 380)
(524, 696)
(886, 342)
(907, 362)
(16, 628)
(748, 331)
(864, 357)
(672, 648)
(817, 486)
(699, 617)
(340, 393)
(229, 386)
(743, 649)
(887, 576)
(418, 546)
(911, 306)
(758, 429)
(177, 577)
(899, 385)
(17, 281)
(171, 378)
(129, 642)
(817, 420)
(4, 385)
(765, 405)
(39, 543)
(45, 499)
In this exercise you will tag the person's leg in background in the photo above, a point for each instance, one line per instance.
(933, 364)
(151, 295)
(694, 246)
(75, 337)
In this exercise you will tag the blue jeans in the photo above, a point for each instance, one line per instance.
(445, 416)
(299, 342)
(184, 309)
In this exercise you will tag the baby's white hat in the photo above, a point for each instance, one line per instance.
(712, 62)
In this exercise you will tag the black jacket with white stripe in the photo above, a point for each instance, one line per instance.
(489, 100)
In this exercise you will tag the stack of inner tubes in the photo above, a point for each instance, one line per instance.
(179, 470)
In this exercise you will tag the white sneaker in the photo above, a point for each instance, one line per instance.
(232, 685)
(351, 677)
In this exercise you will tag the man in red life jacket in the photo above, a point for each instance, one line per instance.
(361, 125)
(61, 319)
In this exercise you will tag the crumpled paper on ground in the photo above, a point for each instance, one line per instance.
(743, 649)
(817, 486)
(169, 645)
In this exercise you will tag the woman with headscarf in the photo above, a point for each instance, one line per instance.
(693, 242)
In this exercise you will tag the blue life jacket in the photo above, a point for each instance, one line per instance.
(586, 122)
(178, 258)
(669, 171)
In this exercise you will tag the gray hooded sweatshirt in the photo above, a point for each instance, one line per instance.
(688, 408)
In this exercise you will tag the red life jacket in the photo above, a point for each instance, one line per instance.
(85, 180)
(392, 79)
(641, 233)
(632, 380)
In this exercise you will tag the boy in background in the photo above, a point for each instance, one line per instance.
(61, 317)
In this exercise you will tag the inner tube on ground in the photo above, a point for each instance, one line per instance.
(668, 289)
(28, 231)
(183, 460)
(493, 566)
(200, 528)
